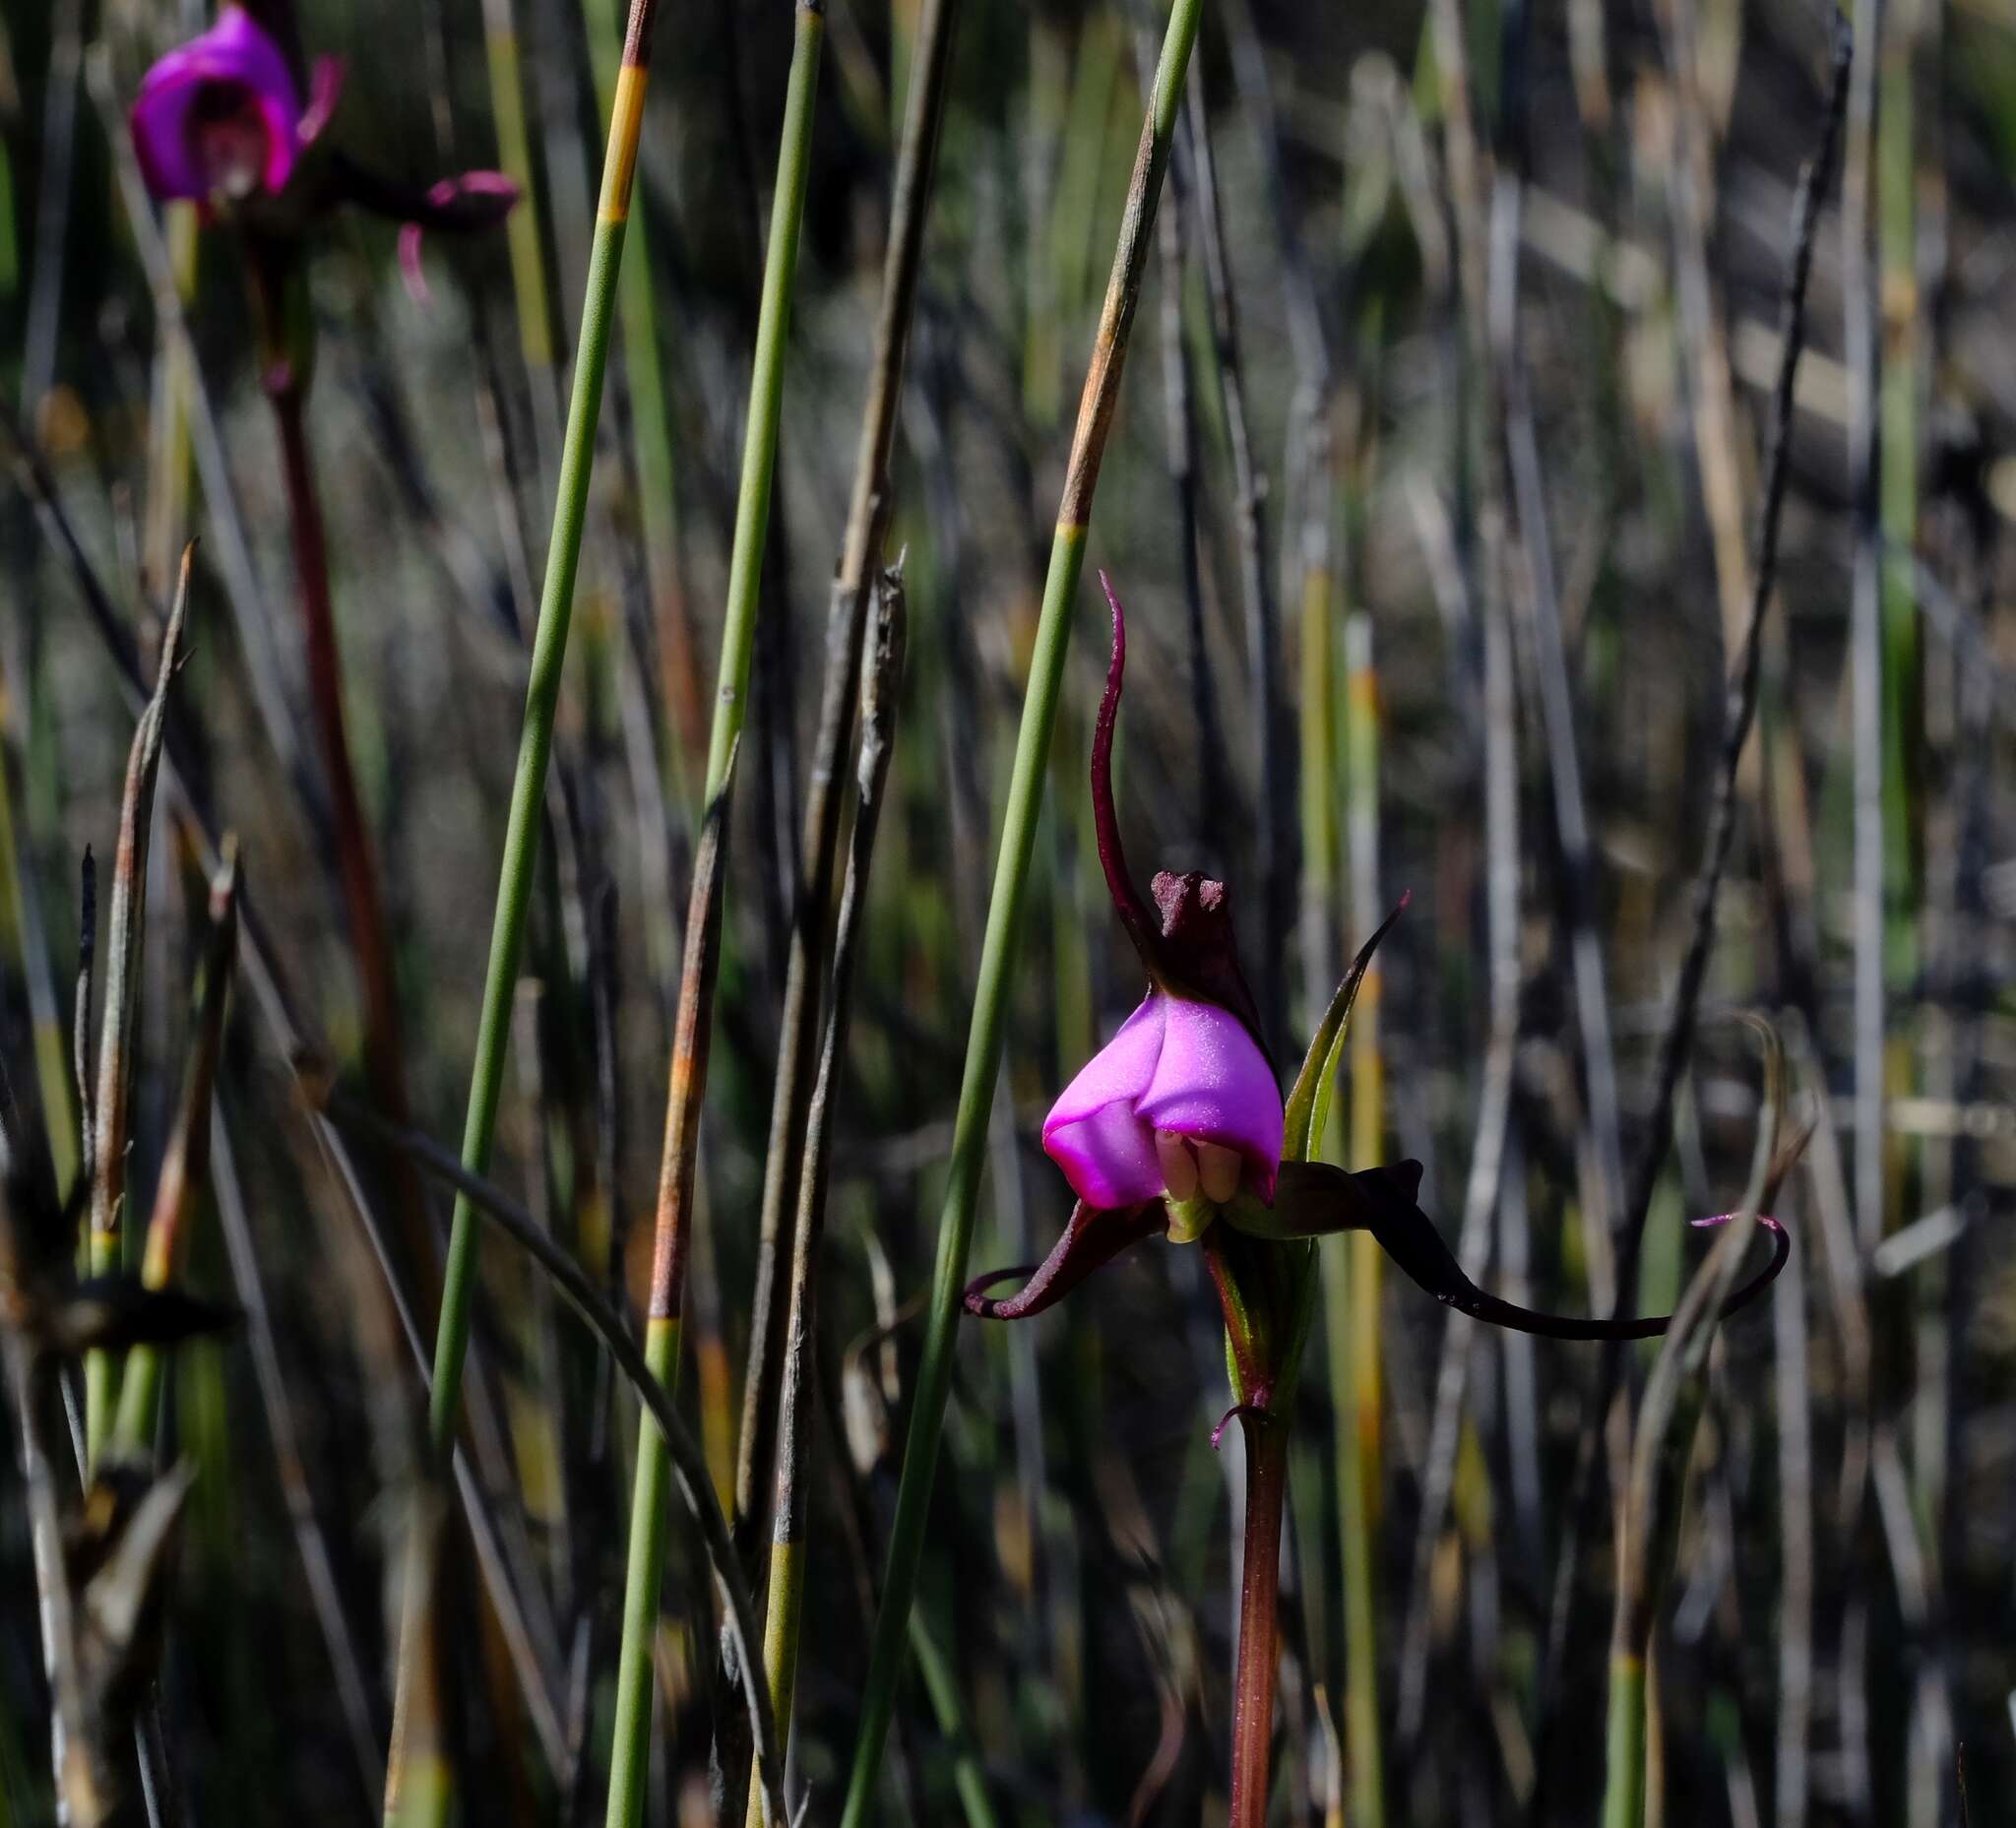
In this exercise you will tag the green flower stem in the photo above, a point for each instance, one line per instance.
(630, 1760)
(542, 699)
(1004, 914)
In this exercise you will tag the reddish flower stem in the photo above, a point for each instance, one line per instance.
(1259, 1650)
(384, 1068)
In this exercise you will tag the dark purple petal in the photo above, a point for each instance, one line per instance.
(1091, 1241)
(474, 199)
(1780, 1249)
(1407, 1235)
(468, 203)
(1197, 948)
(1312, 1199)
(1106, 821)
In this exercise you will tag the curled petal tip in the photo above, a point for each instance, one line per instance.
(410, 271)
(1763, 1218)
(324, 89)
(471, 201)
(1091, 1241)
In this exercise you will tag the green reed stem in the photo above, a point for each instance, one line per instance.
(1365, 1437)
(941, 1687)
(186, 1163)
(766, 393)
(514, 154)
(1004, 912)
(1624, 1800)
(630, 1761)
(542, 699)
(21, 916)
(650, 407)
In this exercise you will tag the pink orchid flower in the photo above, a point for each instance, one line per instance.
(1176, 1126)
(218, 121)
(1181, 1101)
(221, 116)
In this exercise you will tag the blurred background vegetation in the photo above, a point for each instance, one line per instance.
(1308, 512)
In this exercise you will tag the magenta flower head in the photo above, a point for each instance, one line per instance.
(1179, 1116)
(220, 122)
(1178, 1127)
(1182, 1104)
(220, 119)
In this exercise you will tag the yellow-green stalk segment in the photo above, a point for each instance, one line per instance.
(542, 693)
(186, 1163)
(1624, 1801)
(1002, 940)
(651, 423)
(120, 953)
(847, 620)
(521, 226)
(630, 1753)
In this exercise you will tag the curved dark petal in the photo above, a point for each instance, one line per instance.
(1780, 1249)
(1092, 1239)
(467, 202)
(1106, 820)
(1313, 1199)
(1409, 1236)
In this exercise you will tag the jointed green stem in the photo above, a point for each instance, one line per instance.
(541, 699)
(1004, 914)
(630, 1752)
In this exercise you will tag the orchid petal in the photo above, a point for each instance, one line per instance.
(1090, 1242)
(1213, 1083)
(1313, 1199)
(237, 53)
(1094, 1132)
(325, 90)
(1106, 820)
(1407, 1235)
